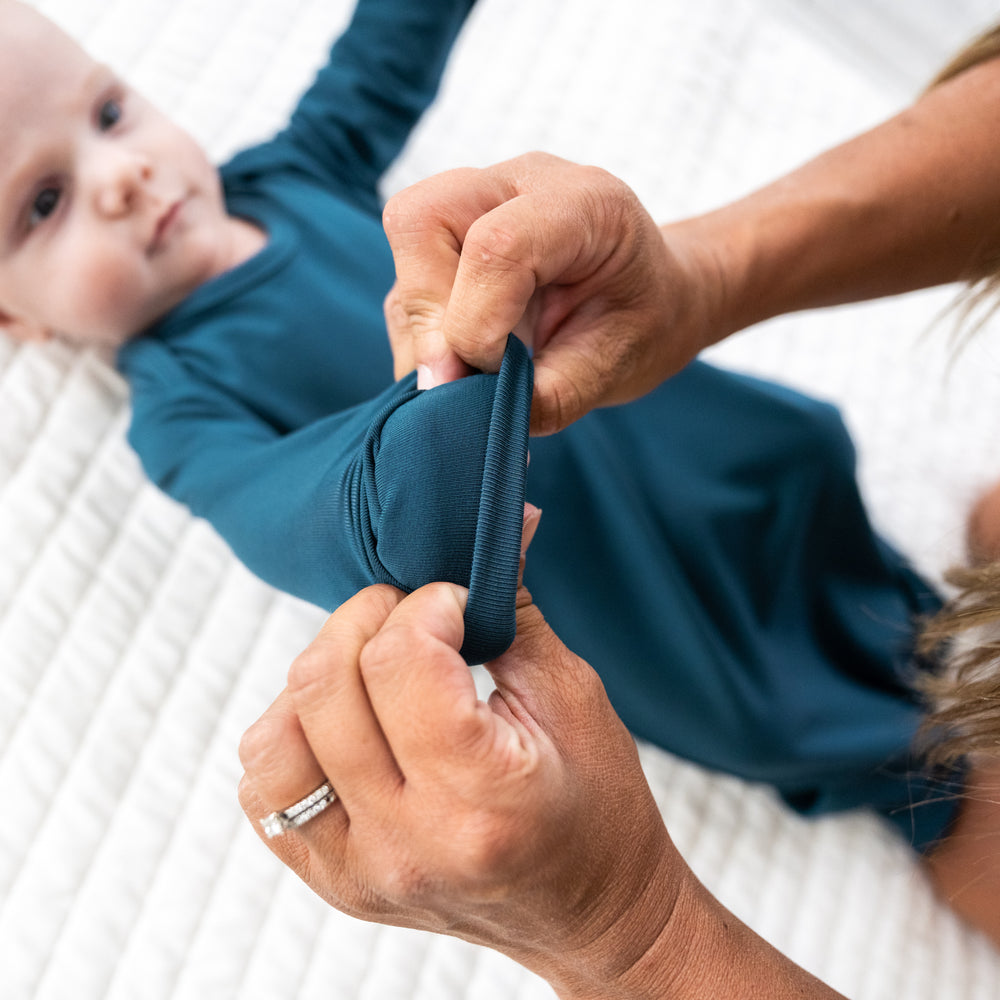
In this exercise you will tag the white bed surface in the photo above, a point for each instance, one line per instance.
(134, 650)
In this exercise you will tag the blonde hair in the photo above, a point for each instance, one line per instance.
(964, 697)
(981, 49)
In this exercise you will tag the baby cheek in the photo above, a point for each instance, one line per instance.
(102, 295)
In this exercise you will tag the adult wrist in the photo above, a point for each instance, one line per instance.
(714, 252)
(905, 205)
(643, 949)
(677, 942)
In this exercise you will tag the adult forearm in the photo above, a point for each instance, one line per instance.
(723, 960)
(912, 203)
(675, 941)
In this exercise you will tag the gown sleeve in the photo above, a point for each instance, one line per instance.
(382, 73)
(408, 488)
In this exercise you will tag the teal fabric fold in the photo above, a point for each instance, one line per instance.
(442, 494)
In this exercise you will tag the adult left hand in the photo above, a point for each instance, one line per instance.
(524, 823)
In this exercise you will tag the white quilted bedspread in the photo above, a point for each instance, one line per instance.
(134, 650)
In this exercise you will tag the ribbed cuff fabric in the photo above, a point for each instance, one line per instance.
(490, 623)
(441, 494)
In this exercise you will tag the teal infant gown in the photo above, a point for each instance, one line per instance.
(707, 550)
(704, 548)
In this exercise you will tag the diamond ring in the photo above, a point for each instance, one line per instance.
(301, 812)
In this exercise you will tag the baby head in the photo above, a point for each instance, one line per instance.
(110, 214)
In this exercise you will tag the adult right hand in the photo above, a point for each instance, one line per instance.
(562, 254)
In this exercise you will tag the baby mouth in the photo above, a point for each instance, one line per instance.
(164, 225)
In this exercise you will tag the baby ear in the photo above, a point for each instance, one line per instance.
(23, 329)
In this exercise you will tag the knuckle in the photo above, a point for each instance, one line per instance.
(470, 737)
(249, 748)
(589, 686)
(363, 902)
(405, 881)
(394, 644)
(409, 637)
(259, 741)
(424, 207)
(331, 654)
(396, 324)
(487, 845)
(405, 213)
(408, 219)
(407, 311)
(606, 183)
(398, 213)
(391, 306)
(246, 796)
(488, 848)
(468, 740)
(608, 200)
(557, 403)
(309, 669)
(475, 861)
(422, 313)
(493, 246)
(540, 164)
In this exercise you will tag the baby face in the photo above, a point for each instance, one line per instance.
(109, 214)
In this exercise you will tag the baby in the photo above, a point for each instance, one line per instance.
(121, 226)
(112, 214)
(710, 574)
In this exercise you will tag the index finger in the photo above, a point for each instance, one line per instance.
(424, 694)
(426, 226)
(331, 703)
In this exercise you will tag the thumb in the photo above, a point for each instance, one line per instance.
(544, 684)
(438, 363)
(416, 338)
(532, 517)
(534, 641)
(426, 225)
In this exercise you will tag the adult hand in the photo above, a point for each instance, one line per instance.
(565, 256)
(524, 823)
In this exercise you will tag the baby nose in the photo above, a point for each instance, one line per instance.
(121, 182)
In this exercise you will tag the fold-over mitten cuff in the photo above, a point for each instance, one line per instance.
(443, 494)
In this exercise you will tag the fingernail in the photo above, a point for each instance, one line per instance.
(532, 515)
(425, 377)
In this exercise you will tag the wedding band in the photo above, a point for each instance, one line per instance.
(301, 812)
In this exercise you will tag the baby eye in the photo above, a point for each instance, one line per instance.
(109, 115)
(45, 203)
